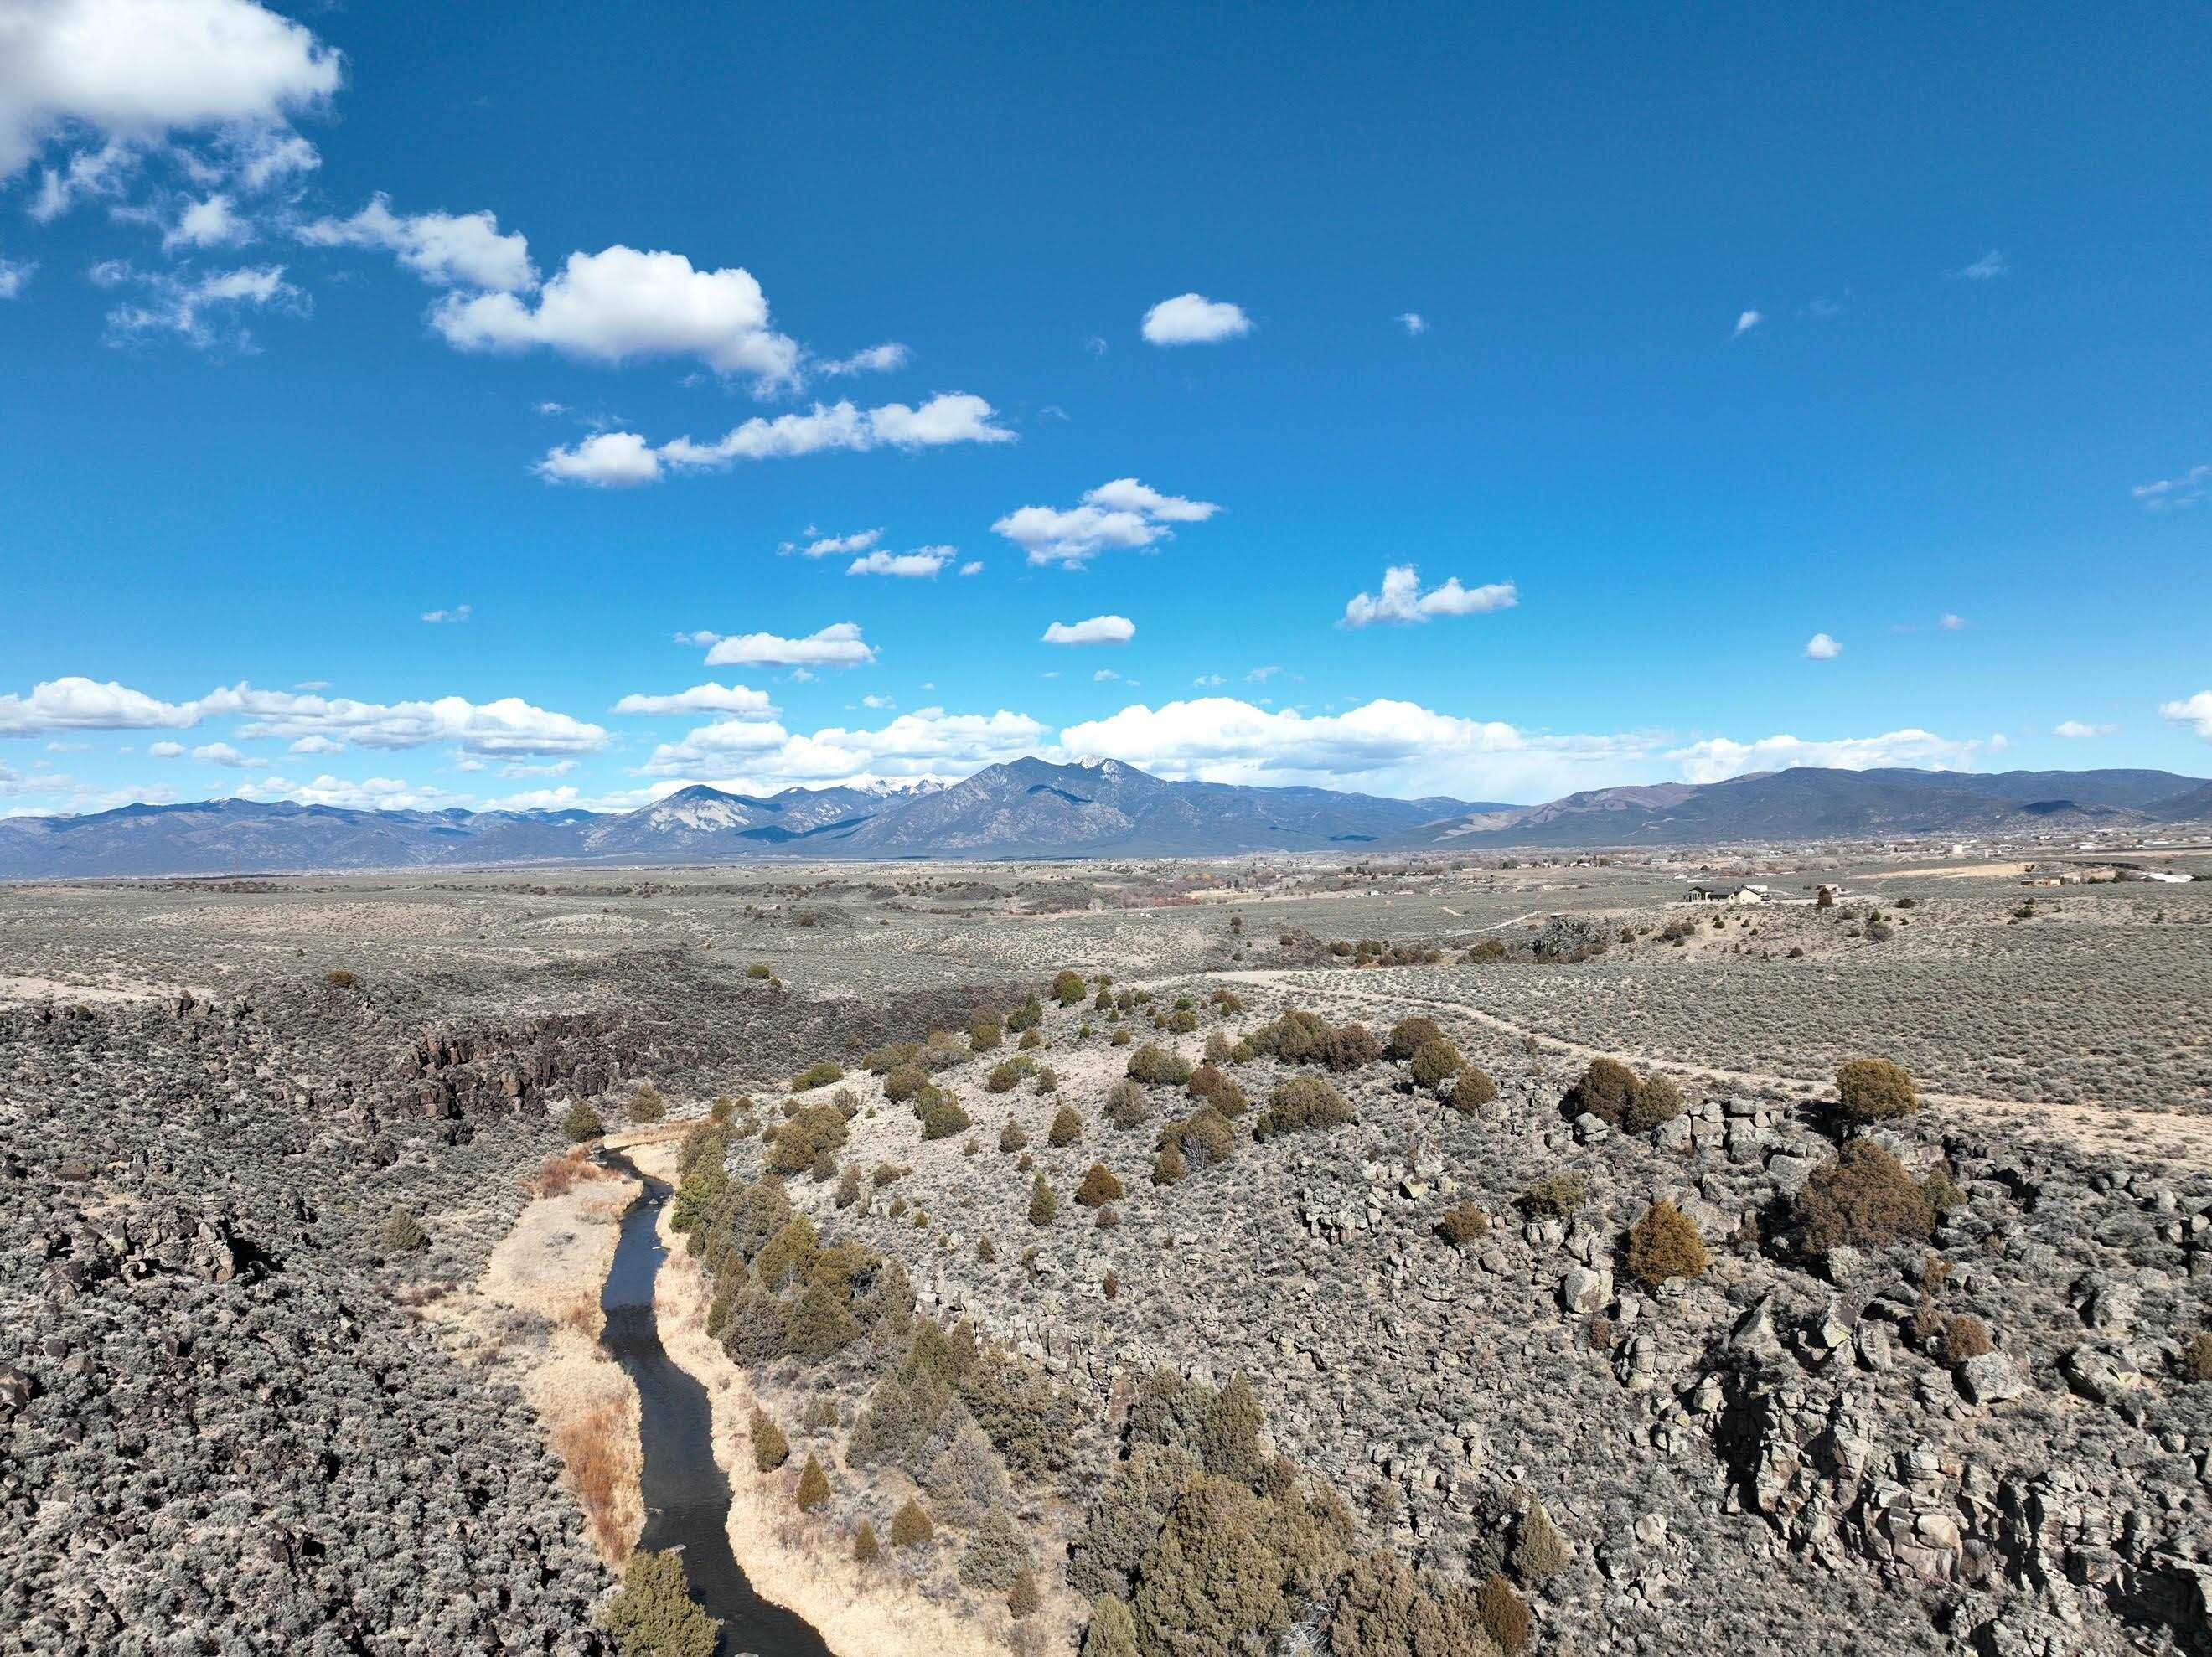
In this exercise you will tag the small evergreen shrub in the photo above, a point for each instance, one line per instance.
(1463, 1224)
(910, 1526)
(1043, 1205)
(582, 1123)
(402, 1234)
(1554, 1197)
(1302, 1104)
(1011, 1139)
(1663, 1244)
(817, 1076)
(1865, 1199)
(1433, 1061)
(771, 1449)
(1473, 1090)
(1409, 1035)
(1066, 1128)
(1128, 1105)
(813, 1486)
(943, 1119)
(653, 1615)
(1156, 1066)
(1874, 1090)
(1099, 1188)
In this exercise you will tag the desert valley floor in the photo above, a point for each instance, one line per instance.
(1429, 1255)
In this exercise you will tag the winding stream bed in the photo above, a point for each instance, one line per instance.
(687, 1495)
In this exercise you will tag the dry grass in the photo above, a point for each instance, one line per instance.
(591, 1446)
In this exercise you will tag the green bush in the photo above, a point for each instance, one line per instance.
(771, 1449)
(1027, 1016)
(1113, 1630)
(1540, 1552)
(1504, 1614)
(402, 1234)
(1203, 1137)
(1655, 1099)
(865, 1548)
(796, 1144)
(1874, 1090)
(903, 1082)
(1433, 1061)
(1487, 950)
(1008, 1074)
(1128, 1105)
(582, 1123)
(1066, 1128)
(1208, 1082)
(943, 1119)
(2196, 1358)
(1067, 987)
(647, 1106)
(817, 1076)
(653, 1615)
(760, 969)
(1385, 1610)
(813, 1487)
(1011, 1139)
(1043, 1205)
(1167, 1167)
(1302, 1104)
(985, 1032)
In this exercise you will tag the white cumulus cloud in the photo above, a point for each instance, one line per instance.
(839, 645)
(924, 743)
(834, 546)
(924, 563)
(1820, 647)
(2081, 729)
(2194, 712)
(622, 457)
(1099, 630)
(1401, 600)
(1194, 319)
(1717, 759)
(1120, 515)
(449, 250)
(1414, 323)
(732, 698)
(876, 360)
(624, 303)
(136, 72)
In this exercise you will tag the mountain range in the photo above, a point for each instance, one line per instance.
(1092, 808)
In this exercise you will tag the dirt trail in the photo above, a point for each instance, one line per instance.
(2140, 1136)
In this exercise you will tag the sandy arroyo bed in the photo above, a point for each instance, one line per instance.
(535, 1314)
(859, 1612)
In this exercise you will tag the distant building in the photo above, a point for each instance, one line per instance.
(1723, 891)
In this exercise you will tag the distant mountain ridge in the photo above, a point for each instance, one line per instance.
(1092, 808)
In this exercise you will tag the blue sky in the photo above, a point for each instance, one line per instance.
(1752, 345)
